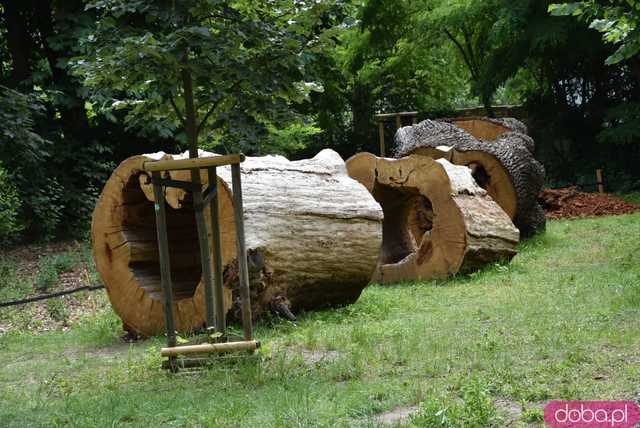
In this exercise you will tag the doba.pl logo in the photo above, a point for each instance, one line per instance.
(592, 414)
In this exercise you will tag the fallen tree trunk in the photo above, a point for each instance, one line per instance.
(504, 167)
(437, 220)
(312, 235)
(487, 128)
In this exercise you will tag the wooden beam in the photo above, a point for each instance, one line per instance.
(390, 115)
(181, 164)
(210, 348)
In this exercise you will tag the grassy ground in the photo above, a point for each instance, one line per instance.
(38, 269)
(560, 322)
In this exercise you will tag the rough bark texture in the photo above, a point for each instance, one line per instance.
(312, 235)
(504, 167)
(487, 128)
(438, 221)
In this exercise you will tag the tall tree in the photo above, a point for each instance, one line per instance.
(221, 70)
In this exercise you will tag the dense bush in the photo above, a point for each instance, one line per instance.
(10, 205)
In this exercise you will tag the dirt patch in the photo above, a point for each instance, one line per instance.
(396, 416)
(570, 203)
(315, 357)
(513, 412)
(510, 409)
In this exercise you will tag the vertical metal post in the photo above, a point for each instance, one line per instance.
(165, 266)
(398, 121)
(218, 298)
(242, 253)
(381, 136)
(203, 240)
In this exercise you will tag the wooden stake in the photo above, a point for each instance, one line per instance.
(209, 348)
(381, 135)
(398, 121)
(218, 297)
(165, 266)
(600, 181)
(245, 298)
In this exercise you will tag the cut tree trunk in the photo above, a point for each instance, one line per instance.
(487, 128)
(504, 167)
(437, 220)
(312, 235)
(125, 249)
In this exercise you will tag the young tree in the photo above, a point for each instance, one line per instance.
(225, 69)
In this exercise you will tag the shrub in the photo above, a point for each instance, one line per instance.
(50, 268)
(10, 205)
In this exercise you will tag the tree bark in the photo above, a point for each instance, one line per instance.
(437, 220)
(312, 235)
(505, 167)
(489, 129)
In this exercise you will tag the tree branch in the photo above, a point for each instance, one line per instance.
(177, 110)
(473, 57)
(462, 51)
(206, 116)
(215, 105)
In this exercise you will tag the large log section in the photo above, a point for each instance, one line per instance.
(505, 167)
(437, 220)
(487, 128)
(313, 237)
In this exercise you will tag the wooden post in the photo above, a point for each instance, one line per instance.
(163, 250)
(242, 252)
(218, 297)
(203, 240)
(381, 136)
(414, 120)
(599, 180)
(398, 121)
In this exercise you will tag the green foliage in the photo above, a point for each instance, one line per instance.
(50, 268)
(245, 60)
(10, 204)
(618, 21)
(12, 284)
(475, 410)
(290, 140)
(387, 58)
(622, 124)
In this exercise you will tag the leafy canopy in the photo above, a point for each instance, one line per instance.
(618, 21)
(241, 63)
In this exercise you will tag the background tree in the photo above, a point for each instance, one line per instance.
(617, 20)
(215, 70)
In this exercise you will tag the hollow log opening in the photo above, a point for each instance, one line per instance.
(408, 215)
(140, 236)
(480, 175)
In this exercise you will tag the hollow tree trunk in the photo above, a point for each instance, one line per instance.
(488, 128)
(437, 220)
(504, 167)
(312, 235)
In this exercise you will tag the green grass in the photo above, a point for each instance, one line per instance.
(50, 267)
(560, 322)
(12, 285)
(633, 198)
